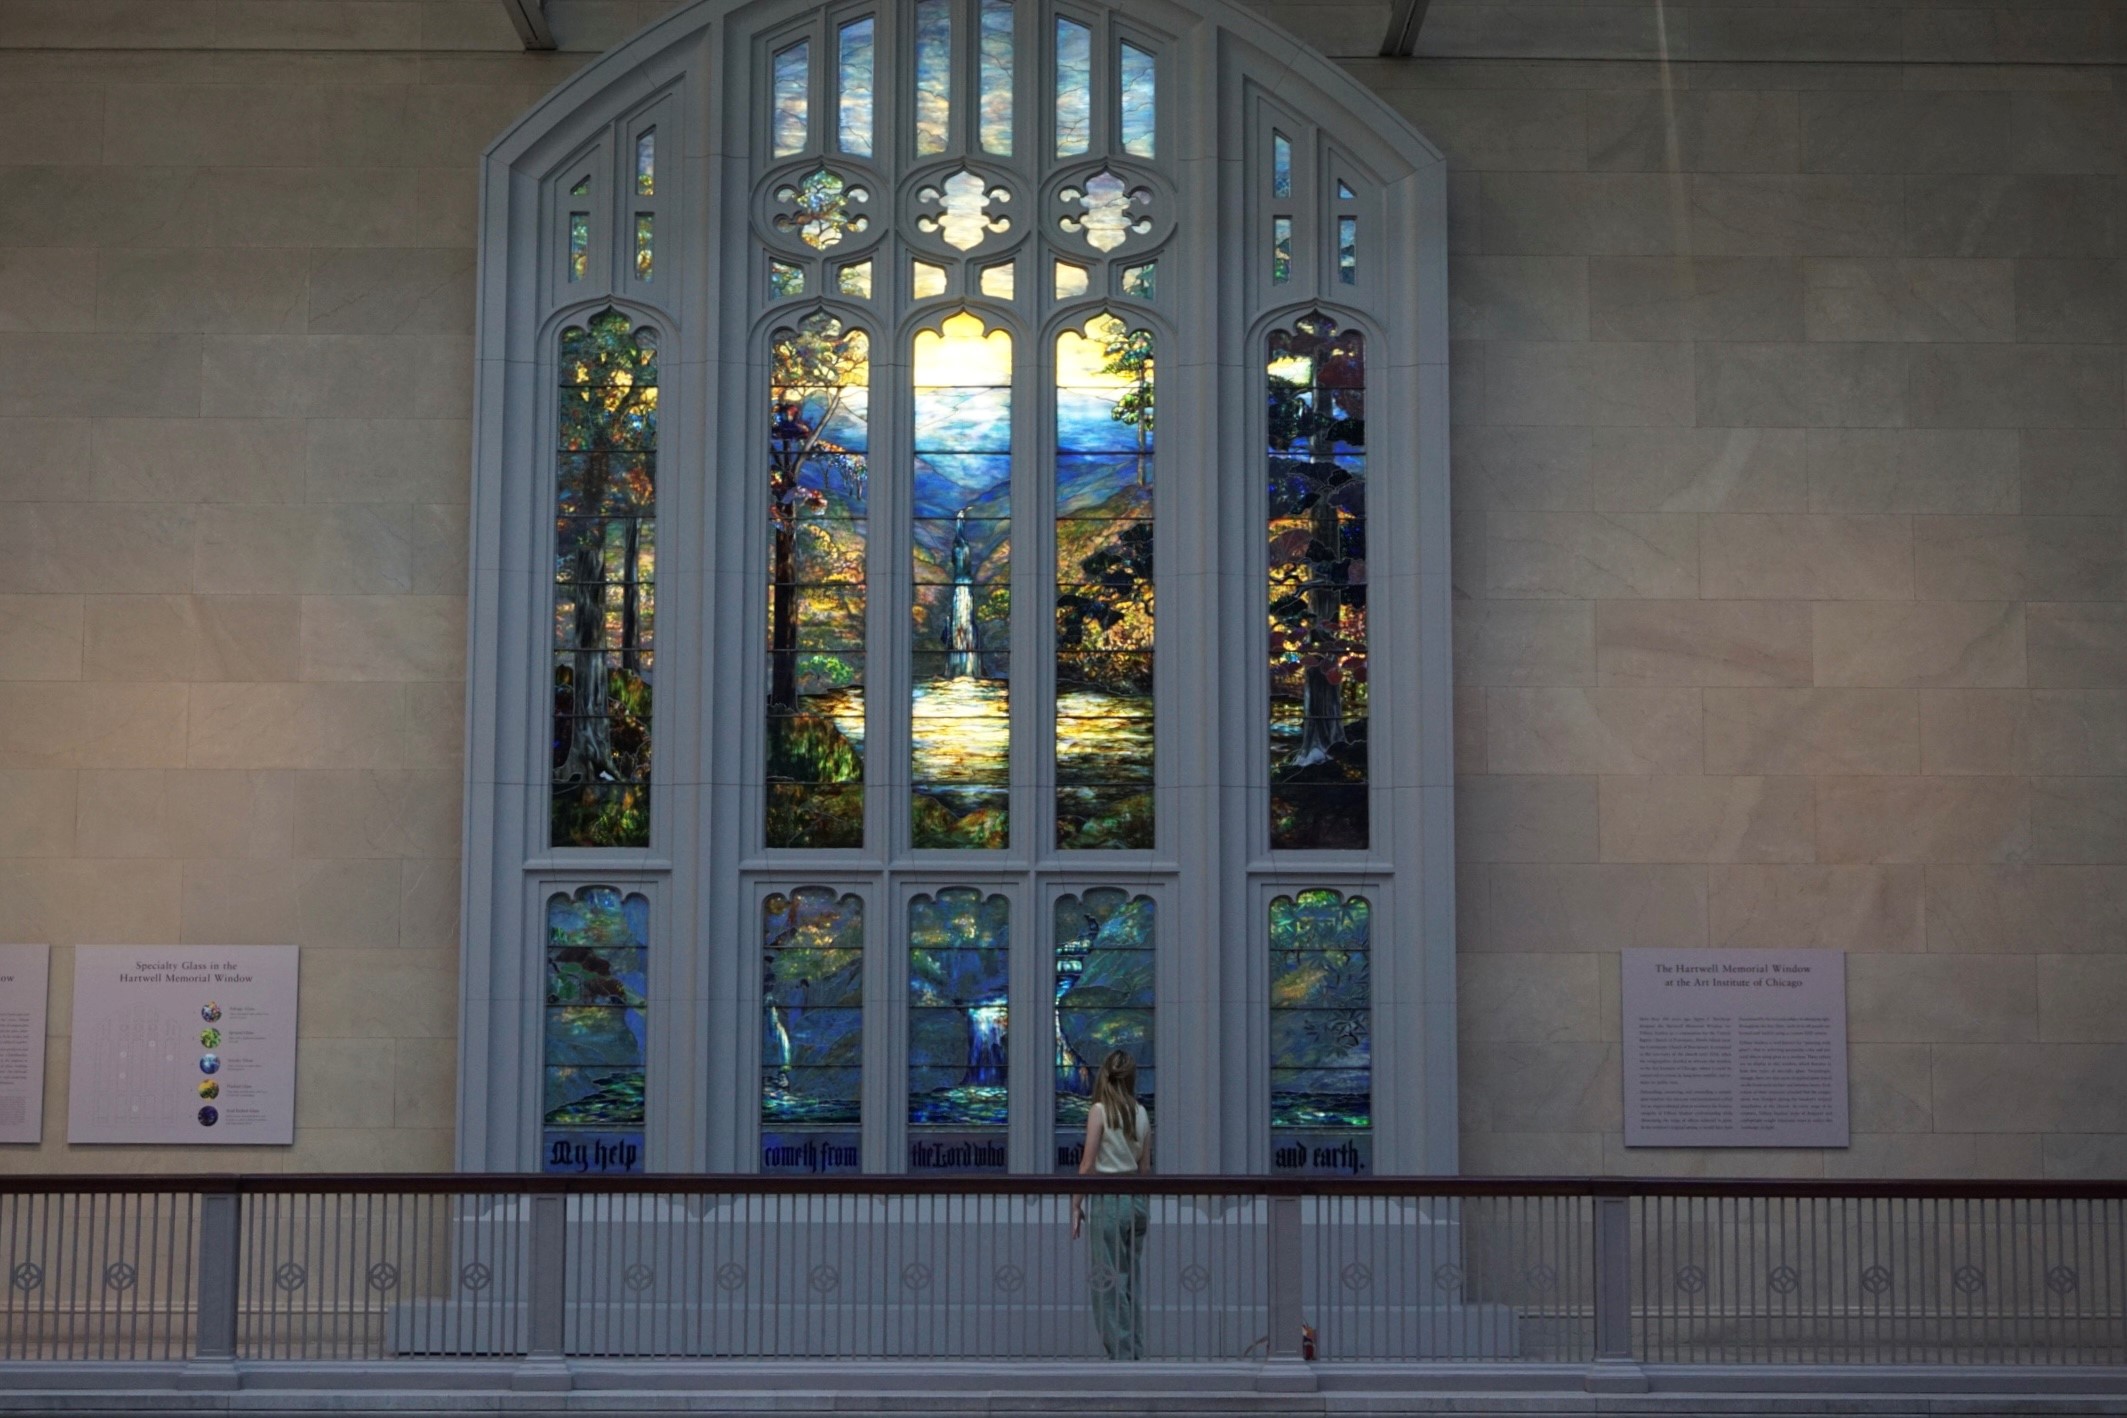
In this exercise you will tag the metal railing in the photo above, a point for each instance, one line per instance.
(409, 1270)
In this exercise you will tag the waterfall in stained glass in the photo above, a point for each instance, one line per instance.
(854, 79)
(1140, 75)
(597, 994)
(819, 519)
(604, 584)
(793, 98)
(1316, 376)
(996, 107)
(1074, 88)
(934, 75)
(1104, 1002)
(960, 691)
(959, 950)
(1321, 1034)
(812, 1031)
(1104, 586)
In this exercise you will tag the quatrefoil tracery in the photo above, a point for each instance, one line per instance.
(963, 217)
(821, 209)
(1110, 210)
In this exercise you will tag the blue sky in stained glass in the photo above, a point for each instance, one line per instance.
(996, 108)
(855, 71)
(793, 71)
(1074, 88)
(934, 75)
(1139, 92)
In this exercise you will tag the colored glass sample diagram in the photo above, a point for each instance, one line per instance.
(960, 695)
(605, 557)
(597, 992)
(818, 513)
(1104, 586)
(1104, 993)
(959, 944)
(1317, 593)
(812, 1031)
(1321, 1033)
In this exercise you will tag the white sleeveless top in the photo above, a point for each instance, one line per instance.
(1117, 1152)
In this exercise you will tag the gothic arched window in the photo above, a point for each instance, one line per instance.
(941, 608)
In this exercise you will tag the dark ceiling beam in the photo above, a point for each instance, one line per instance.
(1405, 19)
(530, 19)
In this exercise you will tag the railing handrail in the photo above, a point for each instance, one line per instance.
(1195, 1185)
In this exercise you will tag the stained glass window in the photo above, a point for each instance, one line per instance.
(959, 952)
(818, 482)
(645, 245)
(1321, 1034)
(998, 281)
(934, 75)
(597, 991)
(1104, 991)
(1317, 594)
(646, 163)
(1141, 282)
(1348, 250)
(1280, 165)
(812, 1031)
(855, 79)
(822, 209)
(1104, 586)
(1071, 279)
(793, 98)
(926, 279)
(1074, 88)
(996, 113)
(604, 559)
(1140, 109)
(579, 246)
(854, 279)
(1280, 250)
(785, 280)
(960, 696)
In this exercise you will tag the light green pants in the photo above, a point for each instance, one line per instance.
(1116, 1276)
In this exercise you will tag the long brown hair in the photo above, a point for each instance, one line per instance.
(1115, 1092)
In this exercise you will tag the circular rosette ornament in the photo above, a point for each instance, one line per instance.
(820, 209)
(1110, 210)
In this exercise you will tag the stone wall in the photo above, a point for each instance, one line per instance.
(1791, 473)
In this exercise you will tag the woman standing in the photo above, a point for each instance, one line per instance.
(1118, 1142)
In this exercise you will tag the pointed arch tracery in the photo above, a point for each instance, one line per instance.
(986, 323)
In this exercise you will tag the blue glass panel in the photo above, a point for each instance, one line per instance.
(1104, 997)
(854, 75)
(958, 957)
(1074, 88)
(793, 98)
(1348, 250)
(812, 1029)
(934, 75)
(996, 113)
(1140, 77)
(646, 163)
(819, 534)
(1280, 165)
(1317, 587)
(1321, 1081)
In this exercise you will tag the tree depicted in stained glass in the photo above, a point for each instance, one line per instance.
(1317, 593)
(959, 948)
(812, 1031)
(1104, 993)
(604, 601)
(818, 514)
(1321, 1034)
(1104, 586)
(597, 963)
(960, 695)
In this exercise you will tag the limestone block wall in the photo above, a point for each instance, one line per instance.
(1790, 451)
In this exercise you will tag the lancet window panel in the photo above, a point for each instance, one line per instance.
(1106, 944)
(812, 1031)
(1321, 1033)
(595, 1030)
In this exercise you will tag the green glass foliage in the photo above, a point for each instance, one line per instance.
(605, 554)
